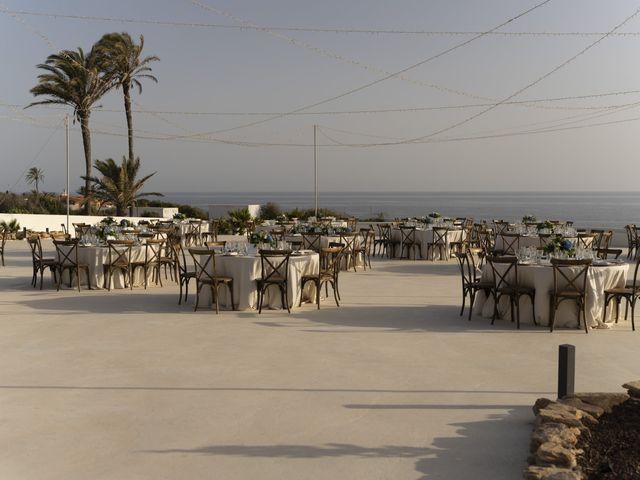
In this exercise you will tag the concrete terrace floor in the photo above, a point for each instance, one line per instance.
(391, 385)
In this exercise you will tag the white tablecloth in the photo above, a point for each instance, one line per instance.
(424, 237)
(246, 270)
(96, 257)
(534, 241)
(600, 278)
(325, 240)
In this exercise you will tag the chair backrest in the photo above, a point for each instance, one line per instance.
(384, 231)
(597, 237)
(632, 234)
(311, 241)
(636, 281)
(214, 225)
(605, 240)
(585, 240)
(153, 251)
(367, 237)
(179, 256)
(570, 275)
(407, 234)
(505, 272)
(218, 246)
(510, 243)
(67, 252)
(331, 259)
(119, 252)
(544, 238)
(204, 260)
(349, 240)
(274, 265)
(500, 226)
(36, 248)
(468, 263)
(440, 235)
(81, 229)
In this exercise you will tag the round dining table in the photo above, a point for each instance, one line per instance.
(602, 275)
(246, 270)
(424, 236)
(96, 256)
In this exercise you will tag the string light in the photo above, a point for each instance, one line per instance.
(346, 30)
(375, 82)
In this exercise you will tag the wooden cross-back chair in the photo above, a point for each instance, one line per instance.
(68, 259)
(382, 244)
(350, 241)
(439, 241)
(311, 241)
(469, 262)
(510, 243)
(274, 271)
(119, 258)
(40, 263)
(330, 261)
(569, 283)
(408, 241)
(153, 253)
(630, 293)
(506, 283)
(182, 271)
(204, 261)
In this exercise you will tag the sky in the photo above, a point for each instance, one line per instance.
(207, 72)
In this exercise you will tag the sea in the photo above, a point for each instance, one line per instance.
(586, 209)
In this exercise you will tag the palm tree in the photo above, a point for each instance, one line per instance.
(34, 177)
(119, 57)
(118, 184)
(73, 78)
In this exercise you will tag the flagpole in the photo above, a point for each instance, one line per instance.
(315, 168)
(66, 125)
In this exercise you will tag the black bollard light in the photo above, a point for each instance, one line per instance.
(566, 370)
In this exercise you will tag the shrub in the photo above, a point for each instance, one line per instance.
(270, 211)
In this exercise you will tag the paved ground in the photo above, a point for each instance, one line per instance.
(392, 385)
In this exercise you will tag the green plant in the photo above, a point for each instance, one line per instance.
(193, 212)
(119, 185)
(120, 59)
(270, 211)
(240, 220)
(35, 177)
(12, 226)
(74, 79)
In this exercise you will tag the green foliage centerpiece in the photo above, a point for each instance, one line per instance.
(261, 238)
(558, 245)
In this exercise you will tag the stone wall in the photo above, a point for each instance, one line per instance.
(557, 428)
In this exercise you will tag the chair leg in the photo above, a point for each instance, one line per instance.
(633, 307)
(233, 303)
(318, 288)
(464, 298)
(584, 316)
(533, 307)
(180, 297)
(472, 299)
(198, 287)
(552, 313)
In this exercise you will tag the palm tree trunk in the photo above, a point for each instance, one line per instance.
(127, 109)
(86, 143)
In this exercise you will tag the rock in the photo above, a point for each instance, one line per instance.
(565, 414)
(554, 454)
(554, 433)
(540, 404)
(606, 401)
(633, 388)
(592, 410)
(550, 473)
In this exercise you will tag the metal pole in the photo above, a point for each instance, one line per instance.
(315, 169)
(66, 124)
(566, 370)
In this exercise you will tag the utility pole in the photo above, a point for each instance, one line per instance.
(66, 127)
(315, 168)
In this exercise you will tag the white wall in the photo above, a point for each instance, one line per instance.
(222, 210)
(160, 212)
(40, 223)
